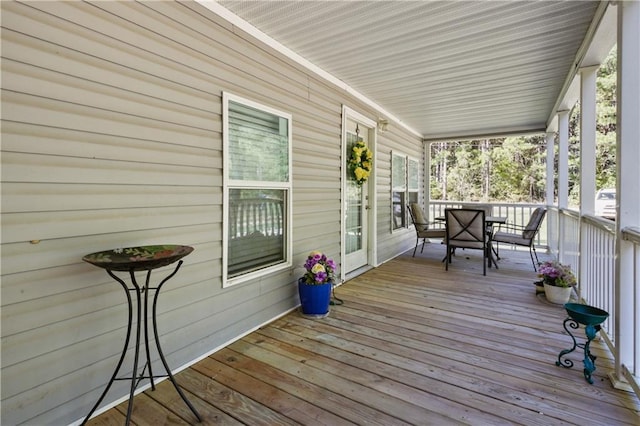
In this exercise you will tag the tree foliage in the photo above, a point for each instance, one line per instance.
(514, 169)
(606, 123)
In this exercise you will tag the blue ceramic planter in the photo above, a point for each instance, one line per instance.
(314, 298)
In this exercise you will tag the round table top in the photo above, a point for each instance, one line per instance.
(141, 258)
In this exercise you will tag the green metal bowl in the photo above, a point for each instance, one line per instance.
(585, 314)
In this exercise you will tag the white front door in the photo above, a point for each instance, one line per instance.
(356, 204)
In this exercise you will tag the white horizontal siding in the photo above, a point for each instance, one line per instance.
(50, 197)
(111, 137)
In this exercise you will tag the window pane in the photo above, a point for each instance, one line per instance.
(354, 204)
(413, 175)
(399, 190)
(412, 184)
(399, 213)
(256, 229)
(354, 217)
(258, 145)
(398, 172)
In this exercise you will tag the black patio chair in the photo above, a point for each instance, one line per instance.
(521, 235)
(422, 227)
(467, 229)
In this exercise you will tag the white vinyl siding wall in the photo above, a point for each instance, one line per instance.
(112, 137)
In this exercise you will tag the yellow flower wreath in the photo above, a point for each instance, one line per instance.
(360, 162)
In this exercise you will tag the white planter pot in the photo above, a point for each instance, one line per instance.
(559, 295)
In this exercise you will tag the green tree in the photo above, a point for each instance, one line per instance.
(519, 170)
(463, 178)
(514, 169)
(606, 123)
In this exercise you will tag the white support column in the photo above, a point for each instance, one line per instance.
(551, 170)
(628, 184)
(587, 155)
(588, 139)
(552, 235)
(563, 159)
(563, 176)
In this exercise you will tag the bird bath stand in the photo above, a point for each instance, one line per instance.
(132, 260)
(591, 318)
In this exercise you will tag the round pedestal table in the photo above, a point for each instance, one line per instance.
(131, 260)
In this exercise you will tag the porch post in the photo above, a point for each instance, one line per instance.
(588, 139)
(552, 229)
(628, 184)
(563, 159)
(563, 176)
(587, 155)
(551, 170)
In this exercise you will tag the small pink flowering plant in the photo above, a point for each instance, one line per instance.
(556, 274)
(320, 269)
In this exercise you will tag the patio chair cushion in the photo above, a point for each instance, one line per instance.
(532, 227)
(422, 225)
(511, 238)
(420, 222)
(466, 228)
(523, 236)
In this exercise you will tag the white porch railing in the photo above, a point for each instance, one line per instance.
(596, 277)
(592, 241)
(569, 241)
(631, 371)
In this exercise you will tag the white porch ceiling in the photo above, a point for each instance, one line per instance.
(445, 69)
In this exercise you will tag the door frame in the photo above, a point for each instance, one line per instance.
(371, 126)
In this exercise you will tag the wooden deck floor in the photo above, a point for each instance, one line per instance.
(412, 344)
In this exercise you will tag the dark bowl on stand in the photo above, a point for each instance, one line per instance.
(585, 314)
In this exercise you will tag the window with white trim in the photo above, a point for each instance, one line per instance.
(257, 190)
(404, 187)
(413, 179)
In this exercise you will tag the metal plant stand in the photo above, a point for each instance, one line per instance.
(591, 318)
(145, 258)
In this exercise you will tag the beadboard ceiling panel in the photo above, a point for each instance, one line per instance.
(445, 69)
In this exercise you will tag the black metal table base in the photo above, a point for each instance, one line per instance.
(142, 309)
(589, 359)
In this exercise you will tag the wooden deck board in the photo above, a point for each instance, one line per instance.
(412, 344)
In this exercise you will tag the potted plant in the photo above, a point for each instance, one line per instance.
(558, 279)
(539, 287)
(314, 287)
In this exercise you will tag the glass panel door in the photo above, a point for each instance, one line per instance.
(356, 207)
